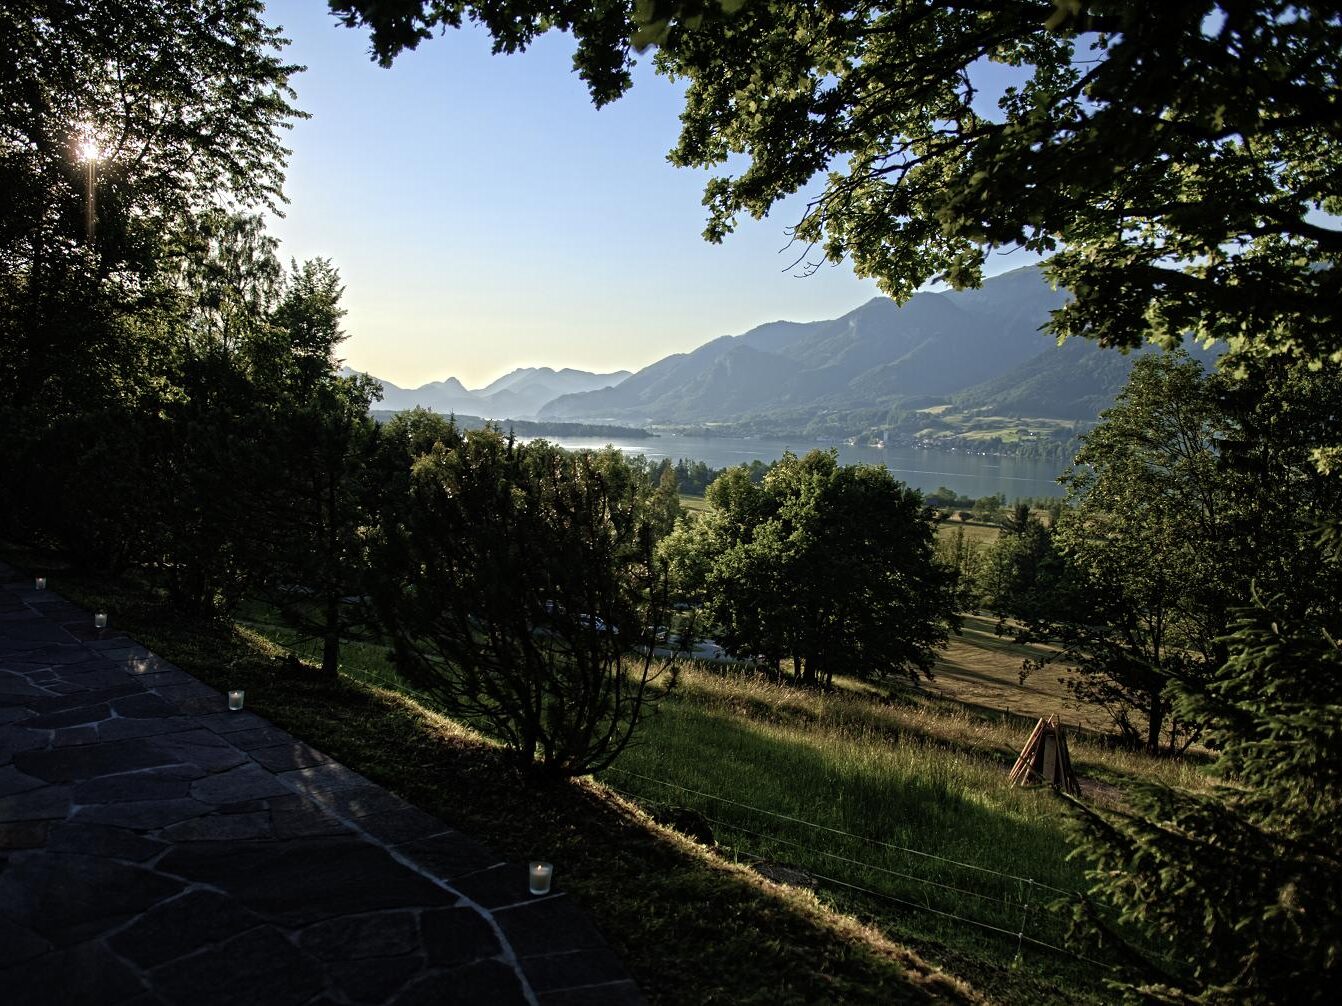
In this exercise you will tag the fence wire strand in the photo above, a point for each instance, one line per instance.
(1018, 935)
(846, 834)
(392, 684)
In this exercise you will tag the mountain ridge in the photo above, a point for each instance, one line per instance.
(966, 364)
(519, 394)
(937, 343)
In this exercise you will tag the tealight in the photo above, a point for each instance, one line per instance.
(41, 583)
(540, 876)
(100, 621)
(235, 699)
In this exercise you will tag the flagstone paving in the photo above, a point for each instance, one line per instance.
(157, 848)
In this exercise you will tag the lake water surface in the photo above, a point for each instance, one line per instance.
(972, 475)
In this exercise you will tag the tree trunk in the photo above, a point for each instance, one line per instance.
(1155, 723)
(331, 642)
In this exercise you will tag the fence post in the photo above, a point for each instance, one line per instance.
(1024, 916)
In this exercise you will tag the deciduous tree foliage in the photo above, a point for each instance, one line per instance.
(1023, 575)
(517, 583)
(1148, 508)
(1190, 491)
(182, 102)
(317, 500)
(830, 566)
(1173, 162)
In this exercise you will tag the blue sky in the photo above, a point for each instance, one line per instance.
(484, 216)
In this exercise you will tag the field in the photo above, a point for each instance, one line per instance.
(981, 669)
(965, 428)
(894, 805)
(975, 533)
(694, 504)
(890, 803)
(817, 835)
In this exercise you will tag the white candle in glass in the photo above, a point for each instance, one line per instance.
(540, 875)
(100, 621)
(235, 699)
(41, 583)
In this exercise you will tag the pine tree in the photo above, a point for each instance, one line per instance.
(1240, 886)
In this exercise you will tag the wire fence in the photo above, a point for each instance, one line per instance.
(1015, 907)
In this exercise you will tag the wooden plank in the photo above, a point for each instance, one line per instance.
(1020, 772)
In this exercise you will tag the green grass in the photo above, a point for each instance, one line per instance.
(691, 926)
(924, 773)
(910, 777)
(975, 534)
(920, 769)
(694, 504)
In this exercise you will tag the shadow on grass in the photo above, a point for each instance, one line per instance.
(747, 773)
(690, 927)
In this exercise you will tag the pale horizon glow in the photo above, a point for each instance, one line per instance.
(484, 216)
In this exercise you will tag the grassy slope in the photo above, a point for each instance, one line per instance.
(925, 771)
(691, 926)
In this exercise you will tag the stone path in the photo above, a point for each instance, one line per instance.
(156, 848)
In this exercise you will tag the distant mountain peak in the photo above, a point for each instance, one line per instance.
(936, 343)
(519, 394)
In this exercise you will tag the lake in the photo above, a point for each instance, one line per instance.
(971, 475)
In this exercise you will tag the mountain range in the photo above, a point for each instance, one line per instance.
(516, 395)
(965, 345)
(880, 367)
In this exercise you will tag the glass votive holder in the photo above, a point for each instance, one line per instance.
(41, 583)
(100, 621)
(235, 699)
(540, 875)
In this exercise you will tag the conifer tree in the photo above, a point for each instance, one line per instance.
(1239, 887)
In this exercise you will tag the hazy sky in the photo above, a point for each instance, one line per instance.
(484, 216)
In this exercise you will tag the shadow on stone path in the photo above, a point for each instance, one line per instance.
(156, 848)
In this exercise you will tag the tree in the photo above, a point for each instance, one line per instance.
(1024, 576)
(988, 509)
(1170, 163)
(1148, 509)
(964, 558)
(1020, 520)
(1240, 887)
(517, 583)
(180, 105)
(214, 461)
(315, 507)
(829, 565)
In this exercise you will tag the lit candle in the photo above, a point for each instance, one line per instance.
(540, 877)
(235, 699)
(100, 621)
(41, 583)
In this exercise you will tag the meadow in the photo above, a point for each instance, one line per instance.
(759, 842)
(889, 803)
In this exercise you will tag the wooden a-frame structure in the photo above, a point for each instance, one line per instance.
(1044, 759)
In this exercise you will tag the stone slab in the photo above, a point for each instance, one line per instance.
(83, 974)
(156, 848)
(304, 880)
(380, 934)
(180, 926)
(455, 936)
(275, 972)
(70, 898)
(246, 782)
(548, 925)
(490, 982)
